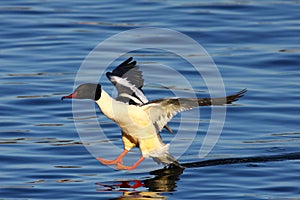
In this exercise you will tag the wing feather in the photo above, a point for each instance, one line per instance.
(161, 111)
(128, 80)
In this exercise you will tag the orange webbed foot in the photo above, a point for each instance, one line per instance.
(109, 162)
(120, 166)
(115, 161)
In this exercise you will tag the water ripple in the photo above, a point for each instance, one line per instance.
(255, 46)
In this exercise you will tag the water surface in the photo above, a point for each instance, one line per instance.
(254, 44)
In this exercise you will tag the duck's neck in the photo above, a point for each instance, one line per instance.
(106, 105)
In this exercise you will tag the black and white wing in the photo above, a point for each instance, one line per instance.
(128, 80)
(162, 111)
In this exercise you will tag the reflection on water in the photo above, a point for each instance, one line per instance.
(164, 181)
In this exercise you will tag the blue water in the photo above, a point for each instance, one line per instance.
(255, 45)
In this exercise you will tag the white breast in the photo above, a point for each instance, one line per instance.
(132, 119)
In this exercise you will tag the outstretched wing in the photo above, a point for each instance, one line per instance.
(128, 80)
(162, 111)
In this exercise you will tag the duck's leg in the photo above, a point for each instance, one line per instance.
(120, 166)
(115, 161)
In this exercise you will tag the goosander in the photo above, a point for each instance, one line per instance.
(140, 120)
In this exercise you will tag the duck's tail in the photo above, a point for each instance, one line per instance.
(164, 157)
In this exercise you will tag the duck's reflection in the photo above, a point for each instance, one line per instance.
(164, 181)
